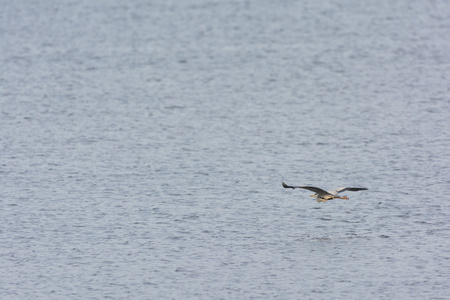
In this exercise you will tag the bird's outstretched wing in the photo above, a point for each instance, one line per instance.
(316, 190)
(288, 186)
(343, 189)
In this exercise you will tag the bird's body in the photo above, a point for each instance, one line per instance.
(322, 195)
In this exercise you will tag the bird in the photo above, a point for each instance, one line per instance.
(322, 195)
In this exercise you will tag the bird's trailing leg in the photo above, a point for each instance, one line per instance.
(344, 197)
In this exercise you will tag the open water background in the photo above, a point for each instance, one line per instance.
(143, 145)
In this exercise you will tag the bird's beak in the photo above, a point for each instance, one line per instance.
(345, 197)
(312, 195)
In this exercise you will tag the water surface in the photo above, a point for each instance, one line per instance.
(143, 147)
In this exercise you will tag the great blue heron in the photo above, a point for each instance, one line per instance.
(322, 195)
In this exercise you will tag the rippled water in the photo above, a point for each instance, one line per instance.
(143, 147)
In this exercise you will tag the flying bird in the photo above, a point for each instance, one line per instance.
(322, 195)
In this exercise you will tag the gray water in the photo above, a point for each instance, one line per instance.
(143, 146)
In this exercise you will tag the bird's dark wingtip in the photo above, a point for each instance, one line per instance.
(287, 186)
